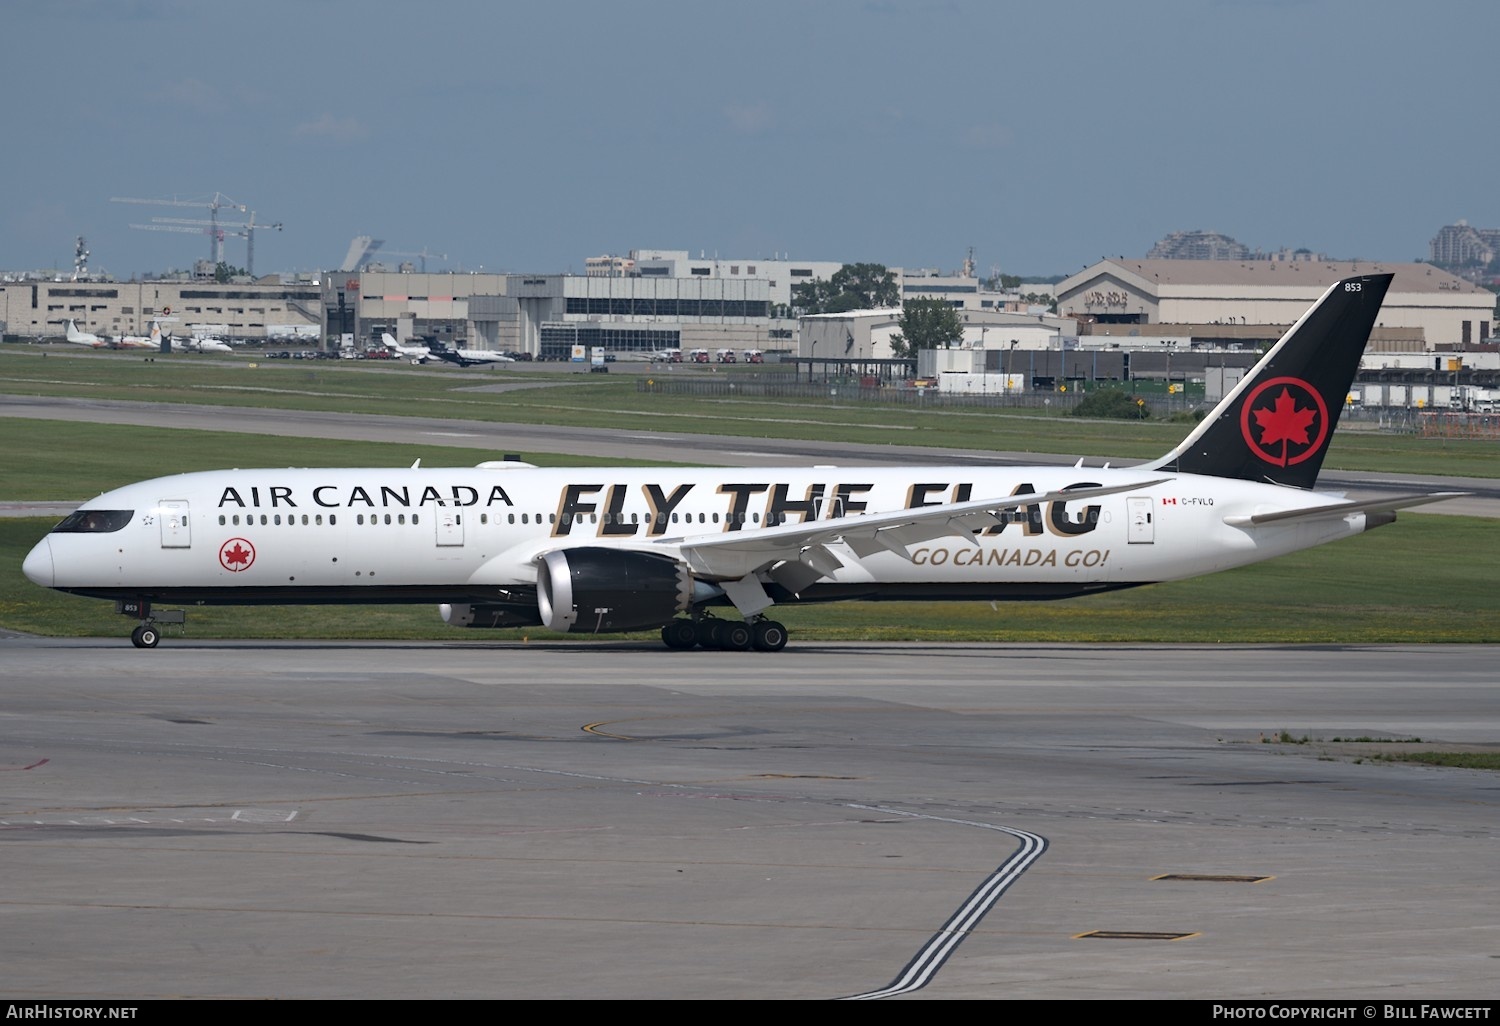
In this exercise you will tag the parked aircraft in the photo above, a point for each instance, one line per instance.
(151, 341)
(83, 338)
(471, 357)
(599, 549)
(416, 354)
(202, 344)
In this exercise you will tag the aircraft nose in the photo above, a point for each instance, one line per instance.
(38, 564)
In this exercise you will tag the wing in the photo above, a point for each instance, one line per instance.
(734, 555)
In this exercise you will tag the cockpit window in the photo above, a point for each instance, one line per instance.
(94, 521)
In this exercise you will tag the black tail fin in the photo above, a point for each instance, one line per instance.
(1275, 425)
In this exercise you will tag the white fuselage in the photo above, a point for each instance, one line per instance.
(457, 534)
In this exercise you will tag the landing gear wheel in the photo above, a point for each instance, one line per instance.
(710, 633)
(145, 636)
(768, 636)
(680, 634)
(735, 636)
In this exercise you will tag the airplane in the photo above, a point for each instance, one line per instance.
(416, 354)
(151, 341)
(471, 357)
(83, 338)
(616, 549)
(203, 344)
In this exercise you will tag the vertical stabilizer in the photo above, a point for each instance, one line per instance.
(1278, 421)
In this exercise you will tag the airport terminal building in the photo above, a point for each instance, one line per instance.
(268, 309)
(1167, 318)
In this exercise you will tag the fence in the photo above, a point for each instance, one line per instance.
(854, 390)
(1160, 403)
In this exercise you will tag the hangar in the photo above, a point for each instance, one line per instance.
(1426, 306)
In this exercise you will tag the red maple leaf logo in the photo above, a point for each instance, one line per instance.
(236, 555)
(1285, 423)
(1303, 428)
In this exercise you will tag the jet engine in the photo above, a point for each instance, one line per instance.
(488, 615)
(596, 590)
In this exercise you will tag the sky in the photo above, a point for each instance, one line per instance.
(524, 138)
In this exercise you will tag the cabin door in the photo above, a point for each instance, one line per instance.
(1142, 530)
(175, 533)
(450, 526)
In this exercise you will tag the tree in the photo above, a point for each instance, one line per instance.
(926, 324)
(223, 272)
(852, 287)
(1112, 404)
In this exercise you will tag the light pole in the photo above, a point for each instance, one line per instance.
(984, 367)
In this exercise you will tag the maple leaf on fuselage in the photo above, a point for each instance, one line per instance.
(1285, 423)
(237, 555)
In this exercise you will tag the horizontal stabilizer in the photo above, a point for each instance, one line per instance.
(1341, 509)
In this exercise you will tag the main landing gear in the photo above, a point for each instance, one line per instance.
(733, 635)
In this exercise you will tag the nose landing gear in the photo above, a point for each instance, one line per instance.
(146, 633)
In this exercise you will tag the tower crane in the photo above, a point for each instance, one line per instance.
(216, 203)
(187, 224)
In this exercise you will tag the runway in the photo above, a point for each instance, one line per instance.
(614, 821)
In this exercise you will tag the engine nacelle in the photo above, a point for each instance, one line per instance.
(487, 615)
(596, 590)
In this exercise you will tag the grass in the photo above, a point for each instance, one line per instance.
(1455, 760)
(606, 402)
(68, 461)
(1452, 756)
